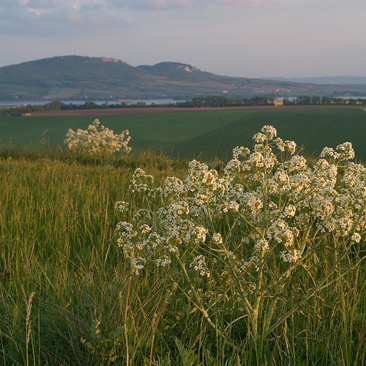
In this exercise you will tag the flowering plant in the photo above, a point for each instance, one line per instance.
(236, 242)
(97, 139)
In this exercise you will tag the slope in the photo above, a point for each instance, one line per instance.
(83, 78)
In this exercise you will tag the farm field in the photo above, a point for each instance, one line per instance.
(207, 134)
(250, 263)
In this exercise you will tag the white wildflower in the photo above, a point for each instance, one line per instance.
(356, 237)
(199, 265)
(122, 206)
(217, 238)
(97, 139)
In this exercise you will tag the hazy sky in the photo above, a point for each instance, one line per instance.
(254, 38)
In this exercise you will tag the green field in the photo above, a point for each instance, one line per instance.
(67, 296)
(205, 134)
(69, 293)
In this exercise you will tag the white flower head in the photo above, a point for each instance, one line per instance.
(217, 238)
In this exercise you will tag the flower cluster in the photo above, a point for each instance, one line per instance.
(253, 224)
(97, 139)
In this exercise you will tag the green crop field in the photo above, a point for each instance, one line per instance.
(205, 134)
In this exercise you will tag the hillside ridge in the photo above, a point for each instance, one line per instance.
(90, 78)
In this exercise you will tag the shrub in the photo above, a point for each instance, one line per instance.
(97, 139)
(236, 244)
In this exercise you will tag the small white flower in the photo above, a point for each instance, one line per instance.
(217, 238)
(356, 237)
(122, 206)
(200, 266)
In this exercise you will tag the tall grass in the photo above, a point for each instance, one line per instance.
(67, 297)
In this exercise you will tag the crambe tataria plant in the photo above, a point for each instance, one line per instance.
(97, 139)
(237, 242)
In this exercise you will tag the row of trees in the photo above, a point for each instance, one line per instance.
(56, 106)
(315, 100)
(209, 101)
(223, 101)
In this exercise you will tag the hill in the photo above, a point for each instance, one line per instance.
(77, 77)
(335, 80)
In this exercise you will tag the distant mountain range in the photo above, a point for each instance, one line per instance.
(77, 77)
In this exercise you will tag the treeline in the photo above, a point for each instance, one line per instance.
(210, 101)
(56, 106)
(28, 108)
(197, 102)
(223, 101)
(314, 100)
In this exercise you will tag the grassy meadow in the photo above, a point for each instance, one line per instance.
(67, 296)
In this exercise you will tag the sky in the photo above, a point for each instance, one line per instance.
(248, 38)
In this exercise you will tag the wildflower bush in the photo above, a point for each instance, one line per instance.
(97, 139)
(250, 247)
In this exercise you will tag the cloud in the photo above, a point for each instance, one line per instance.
(58, 17)
(36, 4)
(76, 6)
(170, 4)
(177, 4)
(36, 12)
(37, 16)
(9, 3)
